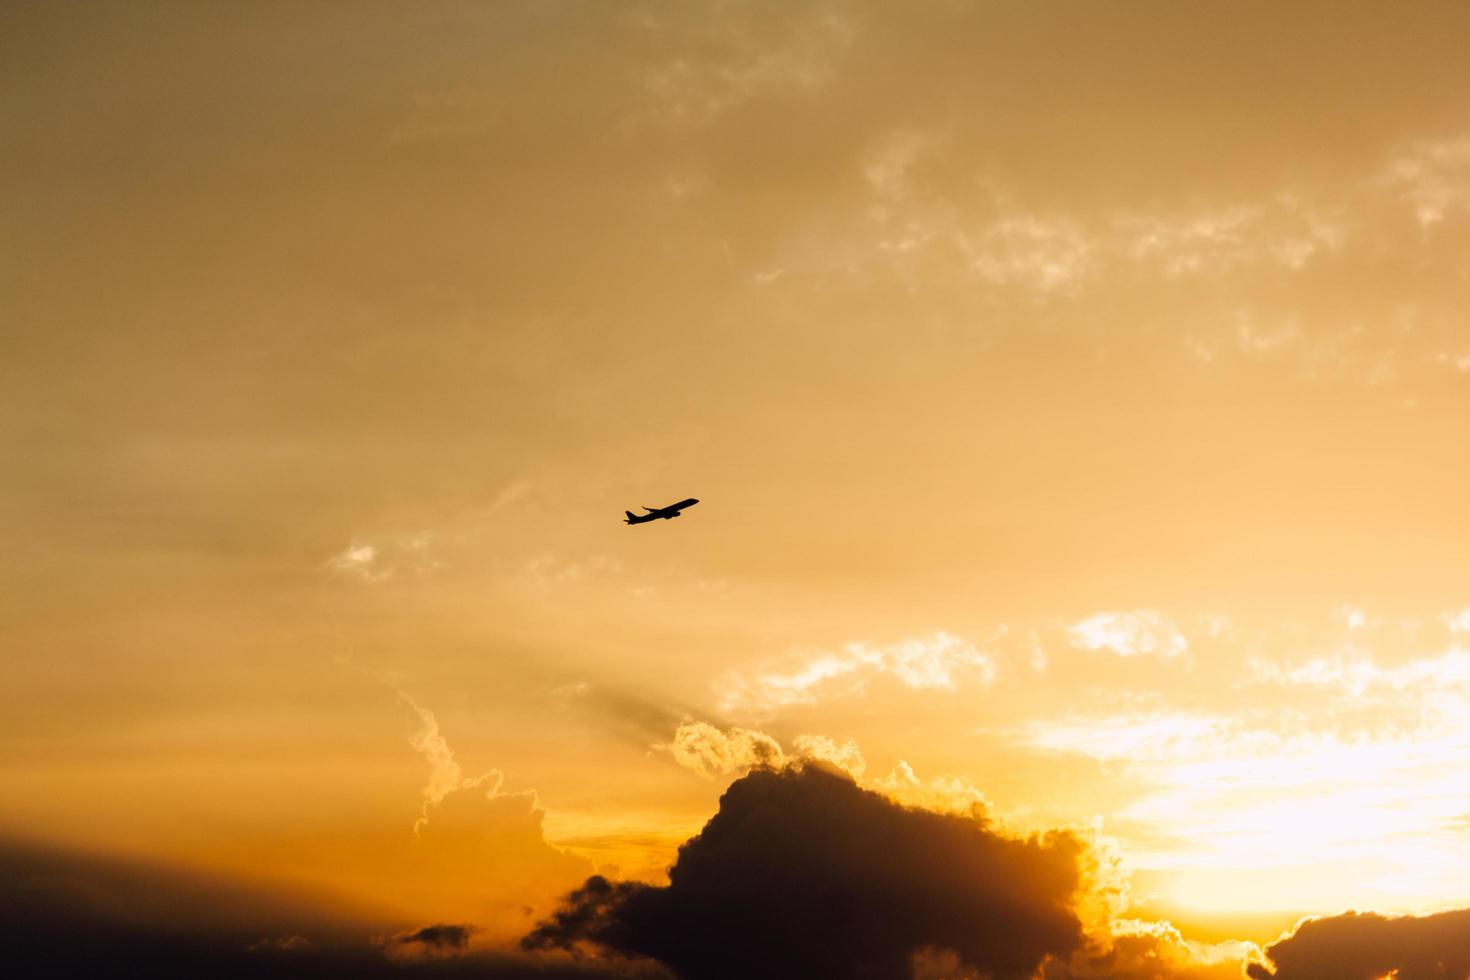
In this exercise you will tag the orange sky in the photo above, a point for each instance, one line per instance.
(1078, 397)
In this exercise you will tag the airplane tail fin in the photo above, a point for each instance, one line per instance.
(630, 517)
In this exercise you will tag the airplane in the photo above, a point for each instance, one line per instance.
(656, 513)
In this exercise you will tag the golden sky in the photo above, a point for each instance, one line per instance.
(1077, 394)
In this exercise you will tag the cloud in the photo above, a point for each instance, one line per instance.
(705, 749)
(1136, 950)
(279, 942)
(1430, 176)
(430, 942)
(1367, 946)
(359, 560)
(1253, 337)
(72, 914)
(803, 873)
(936, 662)
(1284, 232)
(943, 794)
(1028, 251)
(476, 851)
(484, 849)
(712, 753)
(404, 554)
(445, 774)
(844, 755)
(751, 61)
(1129, 737)
(1129, 634)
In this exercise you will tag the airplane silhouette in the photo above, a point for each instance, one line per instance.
(659, 513)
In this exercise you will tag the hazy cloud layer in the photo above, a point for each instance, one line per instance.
(69, 915)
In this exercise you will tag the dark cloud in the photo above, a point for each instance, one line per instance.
(431, 941)
(278, 942)
(65, 915)
(1367, 946)
(439, 937)
(802, 873)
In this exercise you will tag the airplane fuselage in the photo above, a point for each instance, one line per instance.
(659, 513)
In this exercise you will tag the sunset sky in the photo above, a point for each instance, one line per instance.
(1077, 395)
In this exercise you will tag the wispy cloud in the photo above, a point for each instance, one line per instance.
(937, 662)
(445, 773)
(1433, 178)
(397, 556)
(694, 89)
(360, 560)
(1129, 634)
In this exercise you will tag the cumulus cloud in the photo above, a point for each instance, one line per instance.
(943, 794)
(803, 873)
(845, 755)
(710, 752)
(479, 847)
(1367, 946)
(735, 751)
